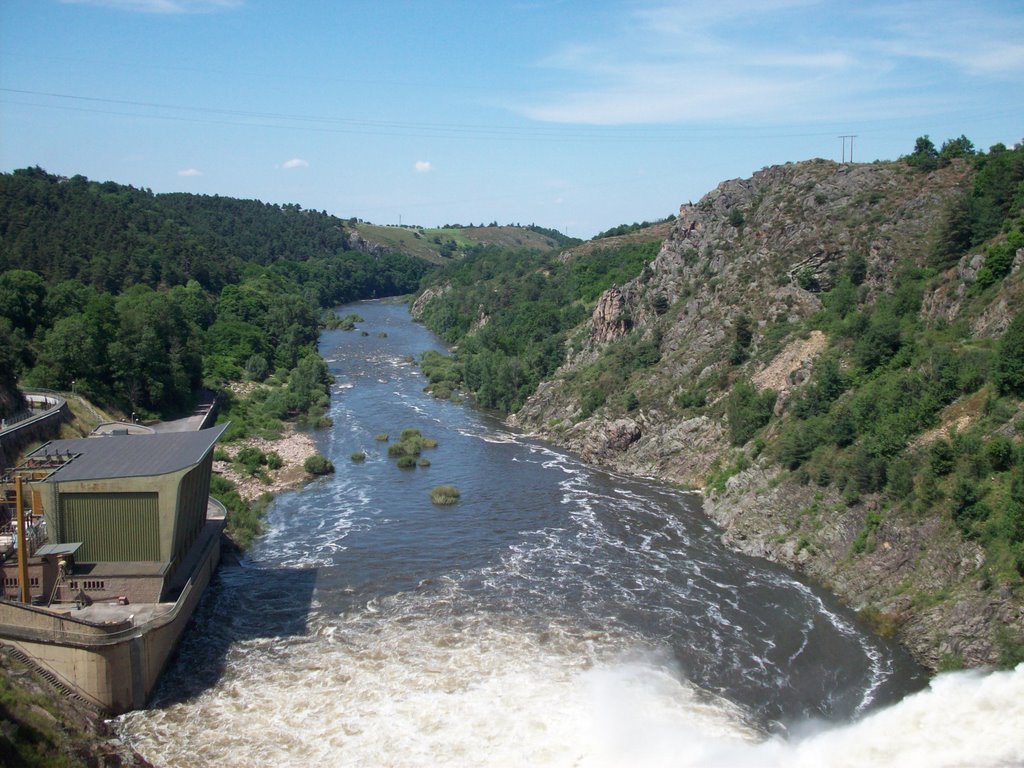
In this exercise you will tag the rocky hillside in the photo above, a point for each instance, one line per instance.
(806, 350)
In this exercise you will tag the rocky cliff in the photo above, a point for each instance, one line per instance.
(732, 297)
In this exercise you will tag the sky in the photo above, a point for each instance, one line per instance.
(574, 115)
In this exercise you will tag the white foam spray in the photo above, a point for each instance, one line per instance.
(404, 686)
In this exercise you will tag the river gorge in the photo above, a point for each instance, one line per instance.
(556, 615)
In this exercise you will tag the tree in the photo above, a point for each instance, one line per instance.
(954, 148)
(925, 156)
(22, 297)
(880, 339)
(748, 410)
(73, 349)
(1009, 372)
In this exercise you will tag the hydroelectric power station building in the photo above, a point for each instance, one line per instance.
(121, 540)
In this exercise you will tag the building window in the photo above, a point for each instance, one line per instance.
(73, 585)
(33, 581)
(11, 581)
(94, 586)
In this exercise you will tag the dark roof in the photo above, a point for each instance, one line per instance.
(99, 458)
(58, 549)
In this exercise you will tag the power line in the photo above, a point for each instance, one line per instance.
(332, 124)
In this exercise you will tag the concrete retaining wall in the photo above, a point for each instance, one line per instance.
(42, 427)
(115, 666)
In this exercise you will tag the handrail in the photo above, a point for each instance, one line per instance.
(54, 400)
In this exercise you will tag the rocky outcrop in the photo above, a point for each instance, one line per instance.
(610, 320)
(765, 249)
(431, 293)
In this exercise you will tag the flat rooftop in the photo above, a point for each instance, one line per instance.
(113, 456)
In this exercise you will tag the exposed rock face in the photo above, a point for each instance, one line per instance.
(359, 243)
(609, 320)
(764, 248)
(791, 367)
(615, 438)
(952, 296)
(416, 310)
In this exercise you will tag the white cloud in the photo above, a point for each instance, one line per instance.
(423, 166)
(190, 172)
(161, 6)
(776, 60)
(295, 162)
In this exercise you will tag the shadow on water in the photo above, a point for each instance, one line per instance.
(242, 605)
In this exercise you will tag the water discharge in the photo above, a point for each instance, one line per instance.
(556, 616)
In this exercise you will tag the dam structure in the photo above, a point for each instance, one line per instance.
(107, 545)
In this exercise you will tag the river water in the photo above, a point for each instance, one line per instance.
(557, 615)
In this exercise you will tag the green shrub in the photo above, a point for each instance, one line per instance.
(250, 460)
(444, 495)
(748, 410)
(967, 506)
(274, 460)
(407, 462)
(318, 465)
(383, 437)
(865, 538)
(424, 462)
(941, 457)
(1010, 359)
(882, 623)
(357, 456)
(1000, 453)
(692, 398)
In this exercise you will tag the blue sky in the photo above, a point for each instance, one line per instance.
(568, 114)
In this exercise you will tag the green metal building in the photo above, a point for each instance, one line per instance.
(135, 505)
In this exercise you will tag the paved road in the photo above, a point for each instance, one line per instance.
(191, 423)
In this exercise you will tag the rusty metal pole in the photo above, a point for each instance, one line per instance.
(26, 595)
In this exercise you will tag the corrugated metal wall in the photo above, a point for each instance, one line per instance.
(191, 514)
(115, 527)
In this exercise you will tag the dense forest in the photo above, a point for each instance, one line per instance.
(138, 300)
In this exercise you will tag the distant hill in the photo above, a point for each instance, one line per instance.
(112, 236)
(647, 233)
(441, 245)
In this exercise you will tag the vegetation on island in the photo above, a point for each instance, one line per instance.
(333, 321)
(445, 495)
(407, 450)
(318, 465)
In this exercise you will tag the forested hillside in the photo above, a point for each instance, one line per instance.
(833, 352)
(511, 311)
(138, 299)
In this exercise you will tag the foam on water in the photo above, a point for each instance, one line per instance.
(402, 685)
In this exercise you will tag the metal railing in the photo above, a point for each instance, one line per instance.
(52, 400)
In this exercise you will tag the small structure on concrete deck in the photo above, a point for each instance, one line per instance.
(118, 548)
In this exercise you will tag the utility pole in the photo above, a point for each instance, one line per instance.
(26, 593)
(851, 137)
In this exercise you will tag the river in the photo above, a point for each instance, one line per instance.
(557, 615)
